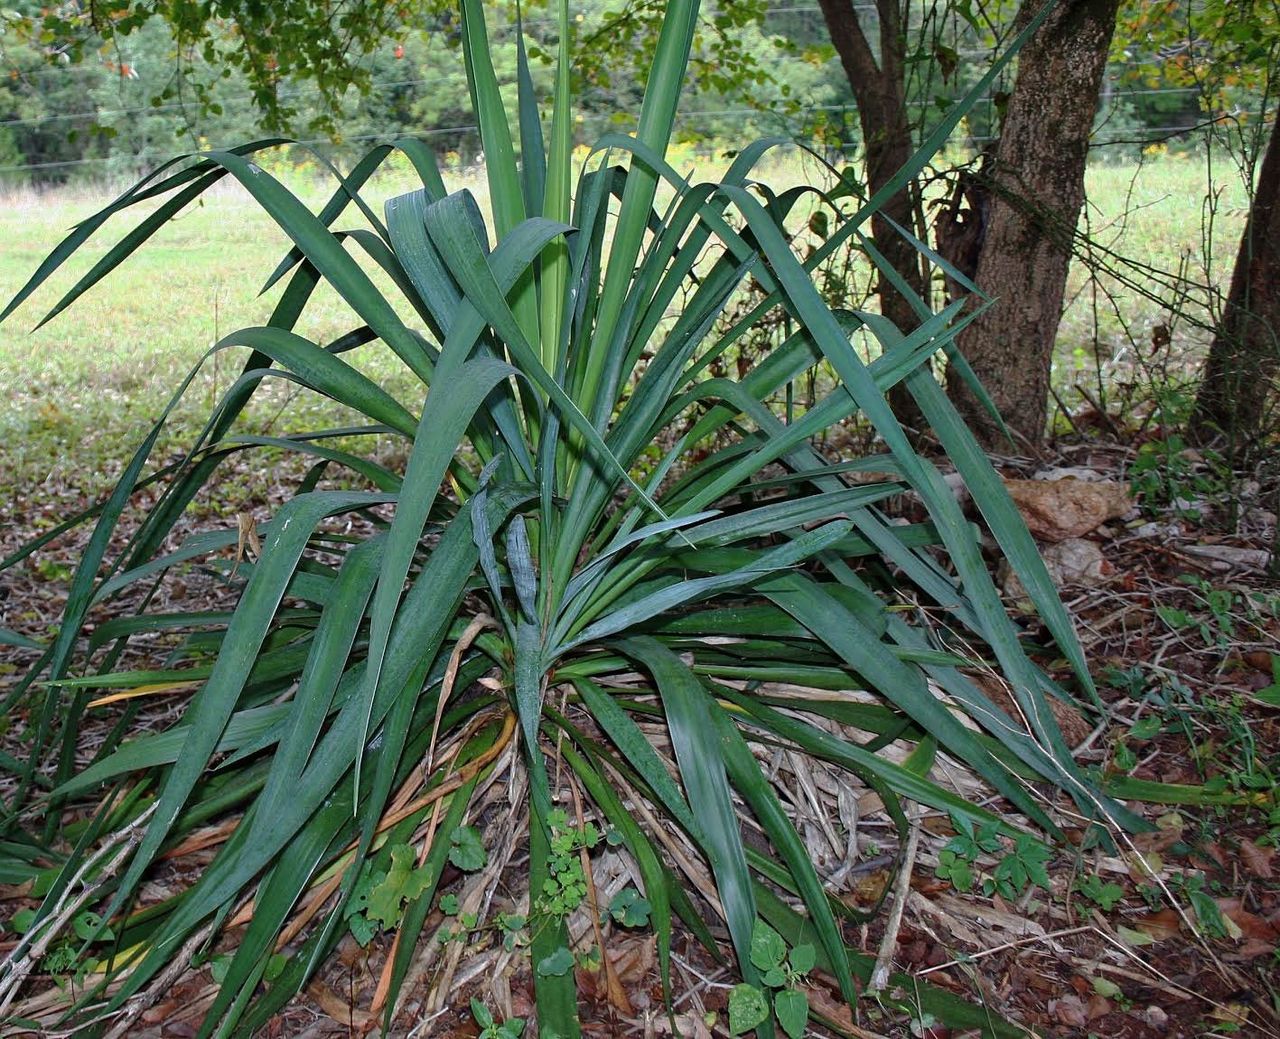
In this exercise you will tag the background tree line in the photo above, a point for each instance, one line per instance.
(96, 92)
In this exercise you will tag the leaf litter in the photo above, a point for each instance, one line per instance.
(1175, 933)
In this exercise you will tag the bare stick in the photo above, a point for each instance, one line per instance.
(22, 958)
(901, 888)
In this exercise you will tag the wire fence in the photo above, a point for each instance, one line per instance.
(788, 117)
(689, 124)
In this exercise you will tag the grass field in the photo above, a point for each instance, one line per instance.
(80, 391)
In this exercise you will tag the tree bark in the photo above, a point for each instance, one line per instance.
(1036, 189)
(1244, 357)
(879, 89)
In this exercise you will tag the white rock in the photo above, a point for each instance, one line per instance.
(1073, 561)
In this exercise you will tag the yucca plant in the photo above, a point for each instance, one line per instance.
(559, 591)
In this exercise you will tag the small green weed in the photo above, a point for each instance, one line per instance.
(380, 896)
(566, 886)
(511, 1028)
(1221, 615)
(923, 1026)
(1193, 888)
(1168, 476)
(1217, 728)
(1021, 866)
(1108, 989)
(1271, 694)
(1104, 893)
(66, 960)
(779, 992)
(955, 862)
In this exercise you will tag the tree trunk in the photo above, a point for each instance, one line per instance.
(1239, 375)
(1036, 191)
(879, 89)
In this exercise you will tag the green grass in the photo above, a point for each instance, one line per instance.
(1151, 214)
(84, 388)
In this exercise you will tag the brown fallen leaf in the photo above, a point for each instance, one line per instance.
(868, 889)
(1257, 860)
(1259, 661)
(160, 1012)
(835, 1010)
(1168, 832)
(1234, 1013)
(1075, 727)
(339, 1009)
(1161, 925)
(1253, 948)
(938, 825)
(634, 958)
(1219, 854)
(1142, 866)
(1099, 1006)
(1251, 925)
(1069, 1011)
(690, 1024)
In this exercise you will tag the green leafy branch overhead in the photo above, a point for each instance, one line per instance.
(1226, 50)
(284, 52)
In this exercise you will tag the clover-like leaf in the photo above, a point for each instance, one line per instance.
(467, 849)
(86, 925)
(557, 964)
(629, 908)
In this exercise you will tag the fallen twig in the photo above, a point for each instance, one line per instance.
(901, 887)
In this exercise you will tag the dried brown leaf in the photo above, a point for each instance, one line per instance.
(1251, 925)
(1257, 860)
(1069, 1011)
(1161, 925)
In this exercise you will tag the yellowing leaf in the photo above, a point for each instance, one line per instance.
(1134, 937)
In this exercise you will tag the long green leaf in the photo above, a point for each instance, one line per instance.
(702, 769)
(745, 773)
